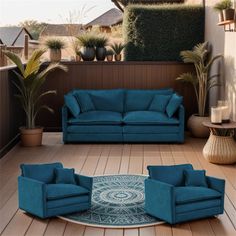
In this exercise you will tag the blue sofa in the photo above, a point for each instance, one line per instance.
(168, 198)
(121, 115)
(41, 196)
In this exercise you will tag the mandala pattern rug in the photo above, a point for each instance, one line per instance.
(117, 202)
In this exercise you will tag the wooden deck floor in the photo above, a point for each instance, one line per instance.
(92, 159)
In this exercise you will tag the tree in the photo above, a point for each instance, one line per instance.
(34, 27)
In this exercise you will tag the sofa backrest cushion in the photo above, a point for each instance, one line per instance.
(173, 104)
(140, 100)
(159, 103)
(40, 172)
(85, 101)
(173, 175)
(108, 100)
(72, 104)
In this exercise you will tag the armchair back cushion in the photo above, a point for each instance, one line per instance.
(41, 172)
(195, 178)
(65, 176)
(173, 175)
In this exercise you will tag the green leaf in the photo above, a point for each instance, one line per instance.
(188, 77)
(16, 60)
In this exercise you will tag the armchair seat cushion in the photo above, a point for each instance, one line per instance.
(59, 191)
(186, 194)
(97, 118)
(148, 118)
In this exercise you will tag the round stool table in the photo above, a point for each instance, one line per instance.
(220, 147)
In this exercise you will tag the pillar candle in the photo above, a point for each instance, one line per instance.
(216, 115)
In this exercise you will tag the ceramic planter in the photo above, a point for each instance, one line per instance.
(196, 128)
(228, 14)
(88, 54)
(100, 54)
(109, 57)
(118, 57)
(55, 55)
(31, 137)
(221, 16)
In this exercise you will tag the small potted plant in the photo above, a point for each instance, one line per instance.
(100, 44)
(109, 54)
(226, 12)
(117, 49)
(30, 79)
(87, 43)
(55, 46)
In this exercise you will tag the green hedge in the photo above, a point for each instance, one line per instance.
(159, 33)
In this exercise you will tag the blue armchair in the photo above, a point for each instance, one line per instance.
(167, 197)
(41, 196)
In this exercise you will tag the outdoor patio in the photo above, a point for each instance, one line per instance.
(99, 159)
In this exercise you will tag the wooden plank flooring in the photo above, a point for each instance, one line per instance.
(99, 159)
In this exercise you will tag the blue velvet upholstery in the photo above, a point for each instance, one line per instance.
(167, 198)
(47, 199)
(108, 116)
(173, 104)
(64, 176)
(195, 178)
(72, 104)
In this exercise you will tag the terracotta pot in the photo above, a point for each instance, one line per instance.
(100, 54)
(228, 14)
(109, 57)
(31, 137)
(118, 57)
(78, 58)
(221, 16)
(196, 128)
(55, 55)
(88, 54)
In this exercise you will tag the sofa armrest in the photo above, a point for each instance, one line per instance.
(181, 116)
(84, 181)
(64, 122)
(216, 184)
(32, 196)
(159, 200)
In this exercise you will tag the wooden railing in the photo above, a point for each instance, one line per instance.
(90, 75)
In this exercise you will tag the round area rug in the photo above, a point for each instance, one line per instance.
(117, 202)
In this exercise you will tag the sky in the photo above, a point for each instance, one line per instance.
(12, 12)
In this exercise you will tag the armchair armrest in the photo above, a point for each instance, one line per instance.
(216, 184)
(32, 196)
(159, 200)
(84, 181)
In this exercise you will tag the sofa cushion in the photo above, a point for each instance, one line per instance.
(97, 118)
(65, 176)
(58, 191)
(187, 194)
(140, 100)
(108, 100)
(150, 129)
(40, 172)
(85, 101)
(148, 118)
(67, 201)
(95, 129)
(173, 104)
(159, 103)
(169, 174)
(195, 178)
(72, 104)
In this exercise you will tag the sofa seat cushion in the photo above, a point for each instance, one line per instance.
(148, 118)
(151, 129)
(95, 129)
(67, 201)
(58, 191)
(194, 194)
(97, 118)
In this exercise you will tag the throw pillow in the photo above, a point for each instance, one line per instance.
(65, 176)
(85, 101)
(159, 103)
(195, 178)
(72, 104)
(173, 104)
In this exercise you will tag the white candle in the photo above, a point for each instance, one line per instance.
(216, 115)
(224, 105)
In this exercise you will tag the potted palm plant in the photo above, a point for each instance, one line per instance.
(201, 57)
(55, 46)
(226, 12)
(109, 54)
(30, 79)
(117, 49)
(87, 43)
(100, 44)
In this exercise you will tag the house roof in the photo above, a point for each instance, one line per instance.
(61, 30)
(109, 18)
(9, 35)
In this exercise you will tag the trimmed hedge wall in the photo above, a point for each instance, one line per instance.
(159, 33)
